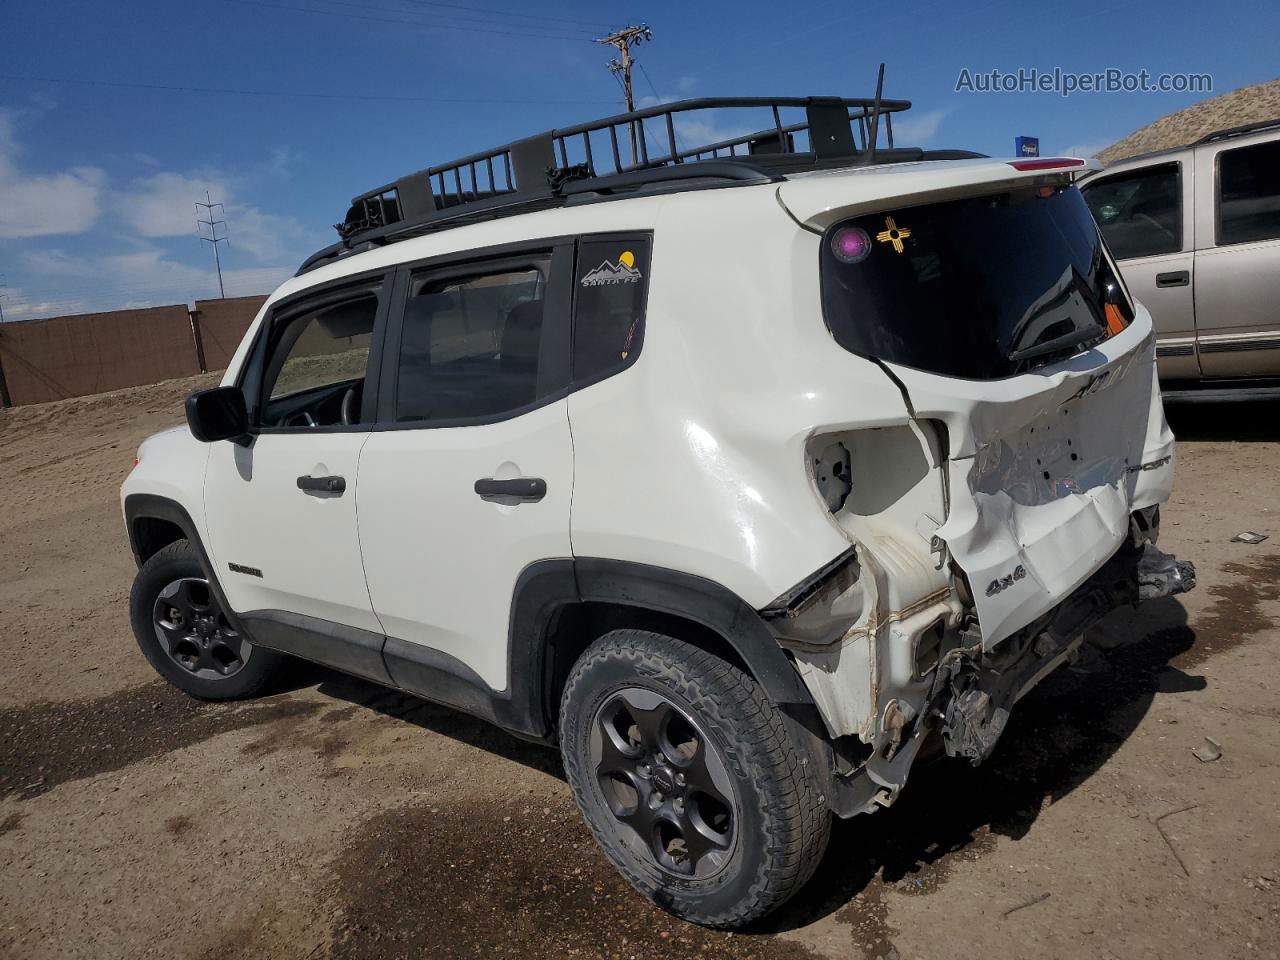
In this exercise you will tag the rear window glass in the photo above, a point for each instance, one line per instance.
(1249, 193)
(979, 288)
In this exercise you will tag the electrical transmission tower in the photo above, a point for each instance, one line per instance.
(624, 40)
(213, 238)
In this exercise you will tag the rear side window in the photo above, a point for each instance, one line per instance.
(609, 302)
(1249, 193)
(1140, 213)
(979, 288)
(470, 345)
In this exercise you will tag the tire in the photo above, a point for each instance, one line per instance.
(184, 633)
(751, 801)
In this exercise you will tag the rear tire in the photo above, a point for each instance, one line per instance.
(689, 778)
(183, 631)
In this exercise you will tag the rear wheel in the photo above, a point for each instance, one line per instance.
(689, 778)
(187, 636)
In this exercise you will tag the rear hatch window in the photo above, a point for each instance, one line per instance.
(980, 288)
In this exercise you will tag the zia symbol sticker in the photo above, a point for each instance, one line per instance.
(893, 234)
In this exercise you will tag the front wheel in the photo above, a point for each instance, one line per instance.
(688, 777)
(187, 636)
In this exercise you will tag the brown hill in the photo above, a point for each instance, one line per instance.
(1246, 105)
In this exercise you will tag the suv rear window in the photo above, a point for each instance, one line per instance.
(1249, 193)
(979, 288)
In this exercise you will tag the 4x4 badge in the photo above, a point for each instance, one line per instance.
(1004, 583)
(624, 271)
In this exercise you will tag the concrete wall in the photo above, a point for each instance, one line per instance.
(63, 357)
(222, 324)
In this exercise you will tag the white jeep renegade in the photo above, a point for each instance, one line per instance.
(740, 471)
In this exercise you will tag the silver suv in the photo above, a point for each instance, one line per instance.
(1196, 231)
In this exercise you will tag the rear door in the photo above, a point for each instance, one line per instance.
(282, 511)
(467, 477)
(1145, 217)
(1238, 259)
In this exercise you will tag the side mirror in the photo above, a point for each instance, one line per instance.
(218, 414)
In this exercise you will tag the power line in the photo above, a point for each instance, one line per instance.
(572, 27)
(417, 23)
(507, 13)
(640, 64)
(213, 237)
(286, 93)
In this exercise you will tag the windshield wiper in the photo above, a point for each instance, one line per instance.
(1057, 344)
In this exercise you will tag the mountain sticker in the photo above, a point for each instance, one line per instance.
(624, 271)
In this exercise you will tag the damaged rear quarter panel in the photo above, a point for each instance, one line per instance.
(1045, 469)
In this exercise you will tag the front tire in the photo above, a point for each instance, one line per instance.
(689, 778)
(187, 636)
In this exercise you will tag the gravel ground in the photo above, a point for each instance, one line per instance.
(334, 818)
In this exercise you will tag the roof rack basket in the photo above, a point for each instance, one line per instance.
(645, 149)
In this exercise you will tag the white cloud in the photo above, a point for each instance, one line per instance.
(916, 130)
(56, 262)
(40, 205)
(163, 205)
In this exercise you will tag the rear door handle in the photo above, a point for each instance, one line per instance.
(522, 489)
(1178, 278)
(311, 484)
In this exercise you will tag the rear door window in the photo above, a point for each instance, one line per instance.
(471, 344)
(1249, 193)
(1140, 212)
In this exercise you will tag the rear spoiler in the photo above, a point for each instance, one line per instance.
(818, 200)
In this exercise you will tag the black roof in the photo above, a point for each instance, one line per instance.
(644, 151)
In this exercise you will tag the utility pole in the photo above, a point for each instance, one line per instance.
(213, 237)
(624, 40)
(5, 399)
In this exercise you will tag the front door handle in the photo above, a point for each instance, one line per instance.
(1177, 278)
(311, 484)
(522, 489)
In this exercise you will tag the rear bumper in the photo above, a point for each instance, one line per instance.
(973, 689)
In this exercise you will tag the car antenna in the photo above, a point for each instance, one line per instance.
(875, 120)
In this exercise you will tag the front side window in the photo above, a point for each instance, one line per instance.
(1140, 213)
(1249, 193)
(316, 363)
(470, 345)
(609, 302)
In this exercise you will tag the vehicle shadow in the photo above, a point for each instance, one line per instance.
(445, 721)
(1241, 420)
(1058, 736)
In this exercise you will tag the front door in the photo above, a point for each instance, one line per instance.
(1145, 215)
(467, 478)
(282, 510)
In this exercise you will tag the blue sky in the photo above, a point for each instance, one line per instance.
(97, 180)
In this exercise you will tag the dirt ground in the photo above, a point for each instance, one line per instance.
(338, 819)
